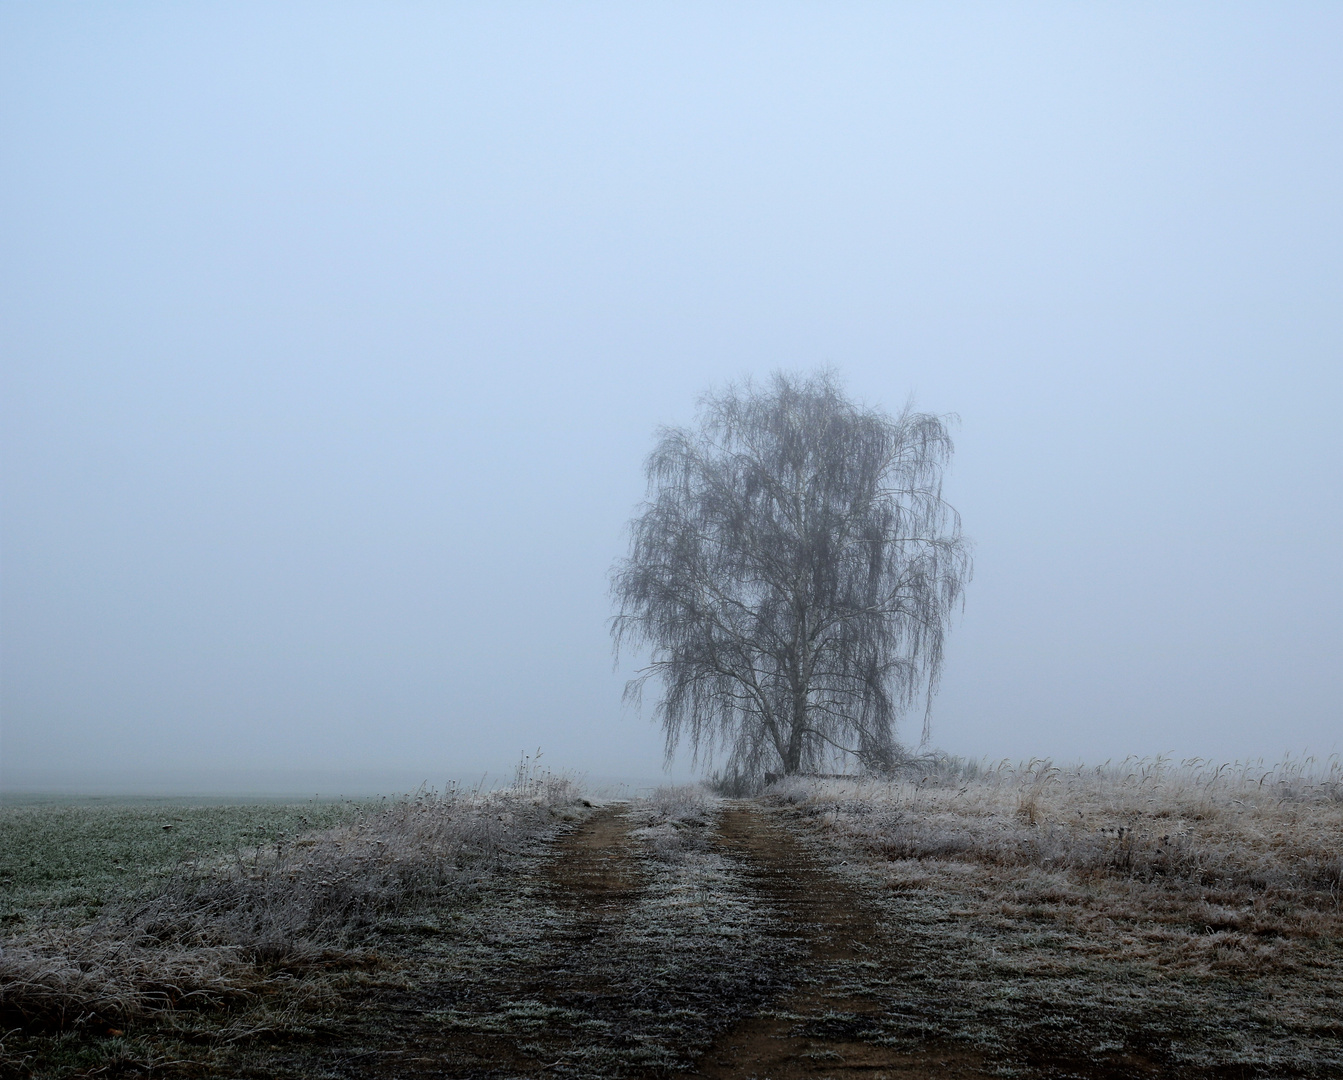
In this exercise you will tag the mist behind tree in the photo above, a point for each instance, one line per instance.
(794, 574)
(333, 341)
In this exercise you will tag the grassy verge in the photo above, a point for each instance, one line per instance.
(210, 946)
(1170, 920)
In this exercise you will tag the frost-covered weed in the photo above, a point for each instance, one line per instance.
(674, 822)
(1242, 827)
(1187, 913)
(215, 932)
(1222, 867)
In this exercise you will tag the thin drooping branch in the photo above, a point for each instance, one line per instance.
(793, 575)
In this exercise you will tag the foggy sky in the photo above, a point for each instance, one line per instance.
(334, 336)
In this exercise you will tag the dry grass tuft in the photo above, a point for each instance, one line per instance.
(675, 823)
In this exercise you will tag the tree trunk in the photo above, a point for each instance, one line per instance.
(792, 757)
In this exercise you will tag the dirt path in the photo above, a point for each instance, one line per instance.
(691, 952)
(592, 870)
(815, 1030)
(512, 1011)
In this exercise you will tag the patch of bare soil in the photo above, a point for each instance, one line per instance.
(816, 1030)
(592, 871)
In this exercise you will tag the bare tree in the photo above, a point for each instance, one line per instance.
(793, 574)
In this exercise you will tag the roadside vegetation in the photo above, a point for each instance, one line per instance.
(1149, 915)
(149, 937)
(1143, 919)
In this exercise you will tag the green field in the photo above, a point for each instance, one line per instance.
(208, 938)
(66, 859)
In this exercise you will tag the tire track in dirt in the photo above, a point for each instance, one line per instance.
(815, 1031)
(591, 871)
(590, 881)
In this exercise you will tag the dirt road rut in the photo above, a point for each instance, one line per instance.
(817, 1029)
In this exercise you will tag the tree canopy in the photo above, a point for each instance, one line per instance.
(792, 575)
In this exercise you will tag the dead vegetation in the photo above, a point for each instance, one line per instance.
(1151, 919)
(1241, 848)
(222, 932)
(1186, 915)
